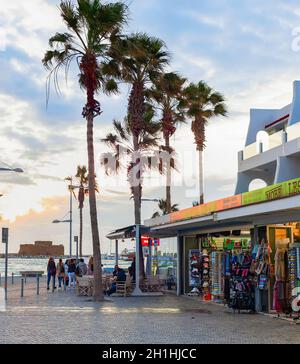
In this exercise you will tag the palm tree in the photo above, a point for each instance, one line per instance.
(166, 95)
(92, 28)
(137, 157)
(163, 206)
(202, 103)
(137, 60)
(83, 190)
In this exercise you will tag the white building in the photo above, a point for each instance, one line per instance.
(272, 150)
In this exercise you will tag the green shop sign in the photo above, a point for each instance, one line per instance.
(274, 192)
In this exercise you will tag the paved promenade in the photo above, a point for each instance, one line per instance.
(62, 317)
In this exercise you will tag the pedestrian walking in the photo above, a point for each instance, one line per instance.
(71, 273)
(51, 272)
(60, 272)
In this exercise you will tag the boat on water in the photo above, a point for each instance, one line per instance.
(127, 254)
(109, 256)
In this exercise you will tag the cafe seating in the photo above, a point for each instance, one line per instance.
(83, 286)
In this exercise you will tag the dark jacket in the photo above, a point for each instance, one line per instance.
(51, 268)
(121, 276)
(72, 268)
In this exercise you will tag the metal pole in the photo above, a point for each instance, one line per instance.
(37, 284)
(137, 291)
(71, 191)
(12, 278)
(179, 266)
(0, 280)
(22, 287)
(76, 241)
(5, 241)
(117, 252)
(150, 256)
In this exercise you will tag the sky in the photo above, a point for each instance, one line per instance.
(246, 49)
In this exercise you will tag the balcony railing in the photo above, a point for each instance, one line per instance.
(272, 141)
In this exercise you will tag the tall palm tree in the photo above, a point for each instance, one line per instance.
(136, 159)
(137, 60)
(92, 28)
(83, 180)
(164, 209)
(202, 104)
(166, 96)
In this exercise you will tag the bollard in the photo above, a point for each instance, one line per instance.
(0, 280)
(12, 278)
(53, 283)
(65, 284)
(37, 285)
(22, 287)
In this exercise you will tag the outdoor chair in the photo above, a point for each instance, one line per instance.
(83, 286)
(124, 288)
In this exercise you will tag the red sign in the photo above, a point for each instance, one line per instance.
(145, 241)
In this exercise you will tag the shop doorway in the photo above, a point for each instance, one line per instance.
(191, 243)
(279, 238)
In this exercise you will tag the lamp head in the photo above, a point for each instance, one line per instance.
(55, 221)
(18, 170)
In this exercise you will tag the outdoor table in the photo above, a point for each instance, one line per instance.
(31, 273)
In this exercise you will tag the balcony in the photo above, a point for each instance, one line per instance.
(269, 142)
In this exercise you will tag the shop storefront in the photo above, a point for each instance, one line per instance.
(243, 251)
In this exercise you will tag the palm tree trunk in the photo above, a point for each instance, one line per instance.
(136, 109)
(201, 177)
(168, 178)
(137, 196)
(80, 231)
(98, 290)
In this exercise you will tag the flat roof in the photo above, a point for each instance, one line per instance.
(268, 213)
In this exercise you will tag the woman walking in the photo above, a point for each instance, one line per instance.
(60, 271)
(51, 272)
(71, 273)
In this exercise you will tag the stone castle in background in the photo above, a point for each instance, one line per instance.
(41, 248)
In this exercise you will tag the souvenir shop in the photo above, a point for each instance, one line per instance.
(276, 265)
(219, 269)
(256, 270)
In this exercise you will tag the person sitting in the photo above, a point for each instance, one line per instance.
(120, 277)
(115, 272)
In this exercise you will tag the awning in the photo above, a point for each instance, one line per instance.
(127, 232)
(267, 213)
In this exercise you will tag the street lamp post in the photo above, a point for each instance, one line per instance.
(70, 220)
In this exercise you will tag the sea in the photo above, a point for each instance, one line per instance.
(16, 265)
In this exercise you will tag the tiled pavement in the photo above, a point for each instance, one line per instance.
(62, 317)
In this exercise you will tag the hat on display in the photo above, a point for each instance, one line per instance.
(205, 271)
(194, 262)
(205, 284)
(195, 290)
(194, 270)
(205, 265)
(204, 252)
